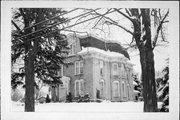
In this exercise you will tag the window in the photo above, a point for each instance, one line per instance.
(122, 69)
(79, 87)
(78, 67)
(116, 89)
(123, 89)
(72, 49)
(128, 91)
(101, 67)
(127, 73)
(81, 67)
(101, 87)
(66, 85)
(115, 69)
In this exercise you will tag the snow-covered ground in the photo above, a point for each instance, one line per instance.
(131, 107)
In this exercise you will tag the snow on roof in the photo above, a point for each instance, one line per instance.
(96, 50)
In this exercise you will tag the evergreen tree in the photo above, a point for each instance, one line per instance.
(41, 54)
(163, 89)
(138, 85)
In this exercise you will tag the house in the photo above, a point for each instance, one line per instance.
(100, 73)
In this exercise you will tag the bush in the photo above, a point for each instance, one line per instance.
(48, 100)
(42, 100)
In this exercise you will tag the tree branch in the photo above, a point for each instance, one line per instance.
(86, 14)
(127, 11)
(159, 28)
(15, 25)
(124, 15)
(100, 19)
(22, 13)
(115, 23)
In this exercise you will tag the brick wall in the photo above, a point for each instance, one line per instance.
(87, 76)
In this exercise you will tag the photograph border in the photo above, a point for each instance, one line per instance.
(7, 114)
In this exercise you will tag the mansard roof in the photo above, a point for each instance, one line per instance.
(92, 41)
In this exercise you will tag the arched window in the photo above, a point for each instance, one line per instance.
(123, 89)
(79, 87)
(128, 91)
(116, 89)
(101, 83)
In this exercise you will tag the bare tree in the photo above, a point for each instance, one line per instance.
(142, 39)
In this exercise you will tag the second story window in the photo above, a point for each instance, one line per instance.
(128, 74)
(115, 69)
(79, 67)
(122, 70)
(101, 67)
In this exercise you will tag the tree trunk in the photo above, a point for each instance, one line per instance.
(29, 84)
(147, 61)
(30, 53)
(148, 79)
(29, 71)
(29, 78)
